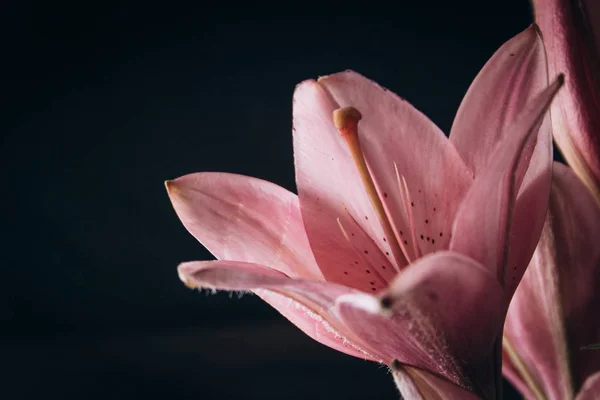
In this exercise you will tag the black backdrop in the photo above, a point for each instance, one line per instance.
(104, 101)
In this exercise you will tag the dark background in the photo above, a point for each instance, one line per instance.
(101, 102)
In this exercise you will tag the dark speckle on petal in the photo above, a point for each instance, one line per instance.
(432, 296)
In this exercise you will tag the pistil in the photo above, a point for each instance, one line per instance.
(346, 121)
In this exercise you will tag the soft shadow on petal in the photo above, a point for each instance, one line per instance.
(483, 225)
(342, 226)
(510, 373)
(512, 78)
(417, 384)
(530, 205)
(245, 219)
(442, 314)
(566, 27)
(591, 388)
(550, 316)
(305, 303)
(393, 133)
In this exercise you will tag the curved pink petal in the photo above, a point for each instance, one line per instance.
(394, 134)
(515, 74)
(245, 219)
(485, 228)
(305, 303)
(591, 388)
(531, 202)
(442, 314)
(512, 78)
(551, 315)
(572, 50)
(510, 373)
(417, 384)
(340, 221)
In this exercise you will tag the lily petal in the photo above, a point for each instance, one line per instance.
(508, 82)
(549, 318)
(393, 134)
(305, 303)
(340, 221)
(442, 314)
(245, 219)
(571, 32)
(417, 384)
(482, 229)
(510, 373)
(591, 388)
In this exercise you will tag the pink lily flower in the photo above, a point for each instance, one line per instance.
(555, 309)
(396, 248)
(571, 31)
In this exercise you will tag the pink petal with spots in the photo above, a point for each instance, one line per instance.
(342, 226)
(444, 315)
(591, 388)
(305, 303)
(549, 318)
(245, 219)
(417, 384)
(392, 132)
(484, 228)
(512, 78)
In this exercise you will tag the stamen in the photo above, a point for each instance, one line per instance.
(343, 230)
(407, 203)
(346, 121)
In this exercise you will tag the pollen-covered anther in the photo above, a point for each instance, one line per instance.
(346, 120)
